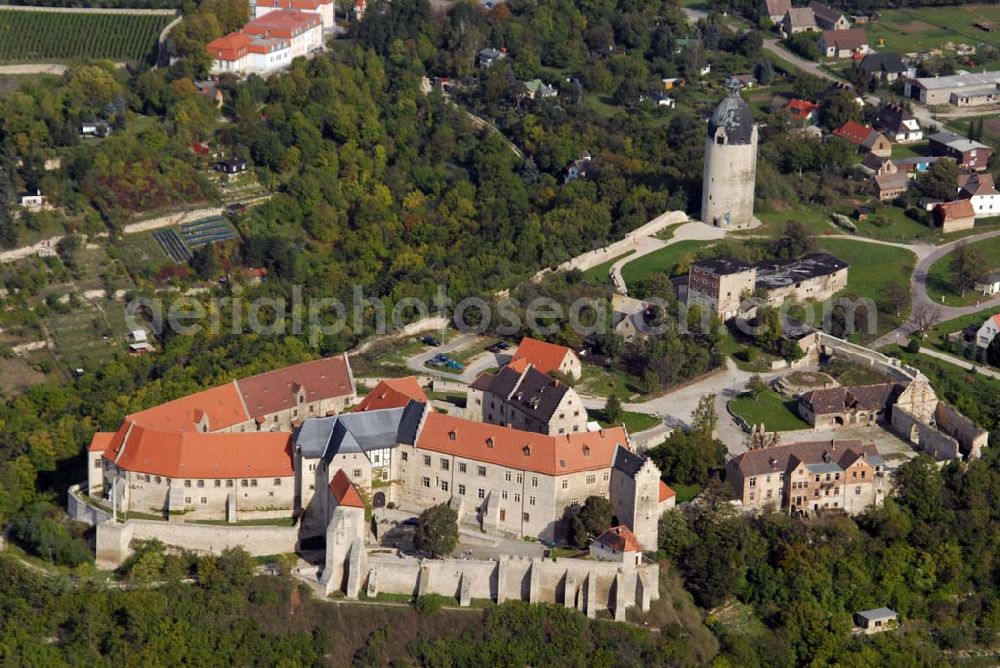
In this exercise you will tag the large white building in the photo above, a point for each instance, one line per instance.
(325, 9)
(730, 164)
(267, 43)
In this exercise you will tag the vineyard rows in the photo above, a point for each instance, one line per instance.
(47, 36)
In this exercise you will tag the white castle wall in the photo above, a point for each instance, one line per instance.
(728, 182)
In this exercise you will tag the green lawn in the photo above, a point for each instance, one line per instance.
(684, 492)
(873, 266)
(604, 382)
(599, 275)
(925, 28)
(772, 410)
(634, 422)
(663, 260)
(936, 335)
(940, 277)
(773, 222)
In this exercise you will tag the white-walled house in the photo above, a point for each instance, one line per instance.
(322, 7)
(990, 285)
(988, 331)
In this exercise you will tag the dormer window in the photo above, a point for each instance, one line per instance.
(527, 450)
(489, 442)
(586, 451)
(452, 435)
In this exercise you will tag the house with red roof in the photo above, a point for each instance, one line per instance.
(617, 544)
(865, 138)
(954, 216)
(850, 43)
(324, 8)
(548, 357)
(392, 393)
(803, 110)
(269, 42)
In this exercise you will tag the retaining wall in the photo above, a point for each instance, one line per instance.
(81, 511)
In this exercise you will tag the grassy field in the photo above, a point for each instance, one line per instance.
(89, 335)
(41, 36)
(684, 492)
(664, 260)
(599, 275)
(604, 382)
(940, 277)
(634, 422)
(775, 412)
(924, 28)
(873, 266)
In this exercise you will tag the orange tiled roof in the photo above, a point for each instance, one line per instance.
(100, 441)
(286, 23)
(620, 538)
(853, 132)
(392, 393)
(222, 406)
(309, 5)
(519, 365)
(801, 109)
(344, 491)
(200, 455)
(666, 492)
(961, 208)
(550, 455)
(229, 47)
(544, 356)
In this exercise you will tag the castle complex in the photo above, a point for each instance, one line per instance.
(282, 445)
(730, 164)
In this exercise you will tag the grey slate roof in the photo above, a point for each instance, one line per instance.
(877, 613)
(532, 392)
(733, 114)
(723, 266)
(781, 273)
(627, 462)
(352, 432)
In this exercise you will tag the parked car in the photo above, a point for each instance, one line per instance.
(429, 341)
(452, 364)
(409, 522)
(498, 347)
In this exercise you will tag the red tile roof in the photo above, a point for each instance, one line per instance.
(100, 441)
(544, 356)
(620, 538)
(956, 210)
(344, 492)
(229, 47)
(222, 406)
(392, 393)
(287, 23)
(852, 39)
(801, 109)
(853, 132)
(276, 390)
(308, 5)
(198, 455)
(666, 492)
(551, 455)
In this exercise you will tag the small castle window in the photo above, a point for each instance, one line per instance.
(489, 442)
(452, 435)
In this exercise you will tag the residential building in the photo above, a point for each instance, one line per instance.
(856, 405)
(954, 216)
(810, 477)
(979, 189)
(745, 80)
(578, 169)
(890, 186)
(828, 18)
(360, 7)
(884, 66)
(803, 110)
(775, 9)
(877, 165)
(231, 166)
(988, 332)
(548, 357)
(989, 285)
(392, 393)
(520, 396)
(865, 138)
(489, 55)
(966, 152)
(851, 43)
(798, 19)
(966, 88)
(913, 165)
(324, 8)
(32, 201)
(876, 620)
(720, 285)
(538, 90)
(898, 124)
(631, 317)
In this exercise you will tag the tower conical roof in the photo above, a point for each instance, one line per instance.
(733, 114)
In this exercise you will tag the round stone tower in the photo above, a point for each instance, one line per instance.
(730, 164)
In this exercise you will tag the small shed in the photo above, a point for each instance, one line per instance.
(231, 166)
(876, 620)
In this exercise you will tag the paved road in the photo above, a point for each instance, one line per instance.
(472, 370)
(808, 66)
(927, 255)
(964, 363)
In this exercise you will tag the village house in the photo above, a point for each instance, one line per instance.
(811, 477)
(522, 397)
(988, 332)
(775, 9)
(891, 185)
(913, 165)
(231, 166)
(954, 216)
(631, 317)
(875, 620)
(898, 124)
(803, 110)
(548, 357)
(536, 89)
(489, 55)
(877, 165)
(979, 189)
(865, 138)
(578, 169)
(32, 201)
(884, 66)
(966, 152)
(851, 43)
(989, 285)
(798, 19)
(828, 18)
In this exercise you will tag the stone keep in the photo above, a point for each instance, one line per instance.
(730, 164)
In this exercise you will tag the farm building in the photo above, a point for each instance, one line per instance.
(966, 89)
